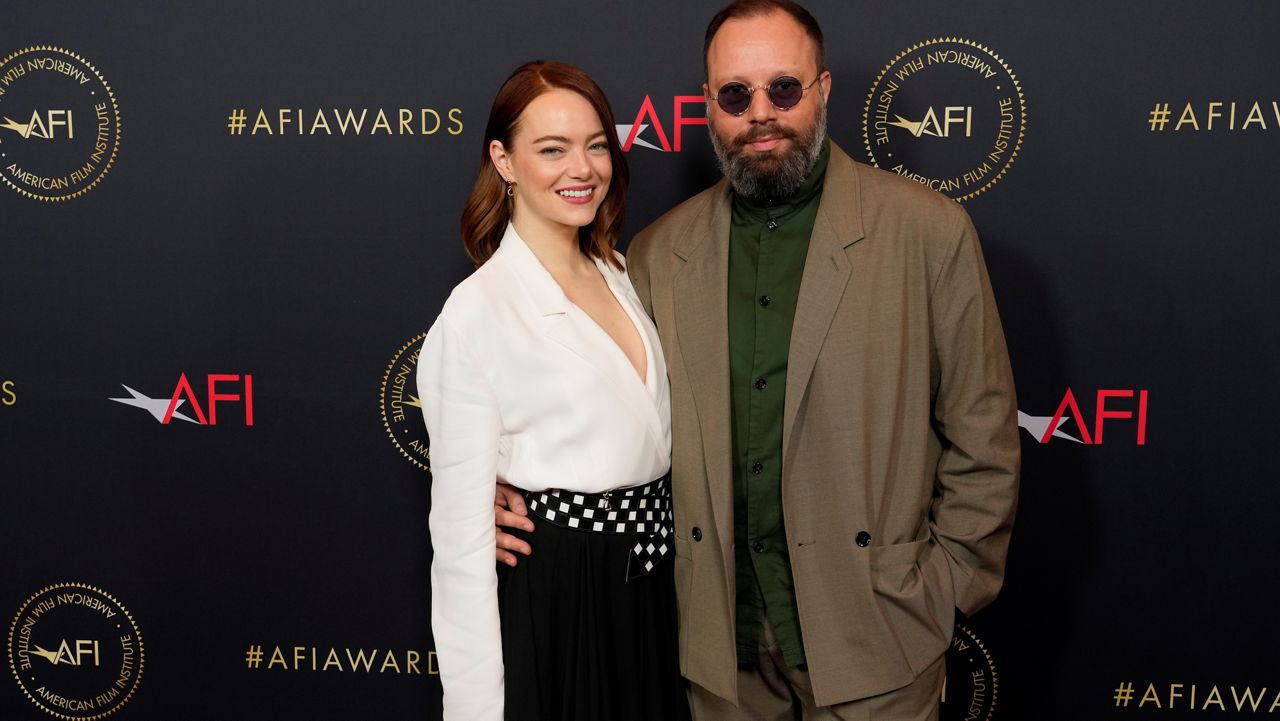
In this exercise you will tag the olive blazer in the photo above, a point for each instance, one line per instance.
(900, 444)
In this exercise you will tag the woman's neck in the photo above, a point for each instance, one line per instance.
(555, 246)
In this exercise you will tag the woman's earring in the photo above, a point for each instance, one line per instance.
(511, 189)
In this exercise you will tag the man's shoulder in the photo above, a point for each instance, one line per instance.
(889, 196)
(672, 225)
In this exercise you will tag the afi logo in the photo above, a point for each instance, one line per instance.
(629, 135)
(165, 410)
(84, 651)
(42, 127)
(1127, 405)
(961, 115)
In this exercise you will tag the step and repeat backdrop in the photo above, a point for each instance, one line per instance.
(225, 228)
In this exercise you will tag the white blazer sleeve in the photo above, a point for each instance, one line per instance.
(462, 419)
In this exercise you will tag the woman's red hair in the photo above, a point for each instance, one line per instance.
(484, 221)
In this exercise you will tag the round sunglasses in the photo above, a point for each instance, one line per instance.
(784, 92)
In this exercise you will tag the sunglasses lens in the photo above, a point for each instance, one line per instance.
(734, 98)
(785, 92)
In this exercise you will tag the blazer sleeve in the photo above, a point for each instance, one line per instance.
(463, 423)
(975, 412)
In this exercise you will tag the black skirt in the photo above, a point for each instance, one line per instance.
(582, 643)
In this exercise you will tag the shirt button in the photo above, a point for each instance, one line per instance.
(863, 539)
(772, 224)
(765, 301)
(761, 383)
(758, 547)
(757, 468)
(696, 533)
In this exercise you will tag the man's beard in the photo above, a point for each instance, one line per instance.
(770, 175)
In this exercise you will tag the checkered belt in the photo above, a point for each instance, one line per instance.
(641, 511)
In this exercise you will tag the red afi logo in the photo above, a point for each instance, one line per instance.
(1043, 428)
(166, 410)
(629, 135)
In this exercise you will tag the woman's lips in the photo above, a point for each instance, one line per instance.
(577, 196)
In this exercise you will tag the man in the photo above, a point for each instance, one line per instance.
(845, 450)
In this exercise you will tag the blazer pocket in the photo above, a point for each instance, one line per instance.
(912, 585)
(894, 566)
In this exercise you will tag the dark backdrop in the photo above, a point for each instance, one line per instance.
(1124, 258)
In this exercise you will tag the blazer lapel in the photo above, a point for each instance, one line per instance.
(701, 289)
(826, 277)
(585, 339)
(646, 403)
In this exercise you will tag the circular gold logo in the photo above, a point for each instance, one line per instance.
(401, 409)
(59, 124)
(75, 651)
(947, 113)
(969, 693)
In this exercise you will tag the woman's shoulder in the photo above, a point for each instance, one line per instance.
(479, 293)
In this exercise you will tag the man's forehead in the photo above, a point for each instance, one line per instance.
(760, 44)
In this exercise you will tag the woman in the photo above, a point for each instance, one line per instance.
(544, 371)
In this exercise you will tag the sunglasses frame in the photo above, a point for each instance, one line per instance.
(751, 92)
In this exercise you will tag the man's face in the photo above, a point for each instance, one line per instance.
(766, 152)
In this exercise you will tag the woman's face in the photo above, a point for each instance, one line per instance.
(558, 161)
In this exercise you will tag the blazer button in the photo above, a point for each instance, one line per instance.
(863, 539)
(696, 533)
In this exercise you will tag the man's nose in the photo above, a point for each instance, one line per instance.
(761, 109)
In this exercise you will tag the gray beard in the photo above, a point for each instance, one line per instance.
(770, 176)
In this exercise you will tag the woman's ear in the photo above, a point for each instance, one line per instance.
(501, 160)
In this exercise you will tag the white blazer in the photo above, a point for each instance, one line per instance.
(518, 383)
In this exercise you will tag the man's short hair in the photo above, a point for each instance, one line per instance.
(754, 8)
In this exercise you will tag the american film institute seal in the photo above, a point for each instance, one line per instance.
(947, 113)
(75, 651)
(401, 409)
(970, 690)
(59, 124)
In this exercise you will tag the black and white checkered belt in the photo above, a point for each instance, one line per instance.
(641, 510)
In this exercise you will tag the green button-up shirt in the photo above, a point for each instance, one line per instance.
(768, 241)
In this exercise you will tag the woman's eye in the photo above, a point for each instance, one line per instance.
(600, 146)
(550, 151)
